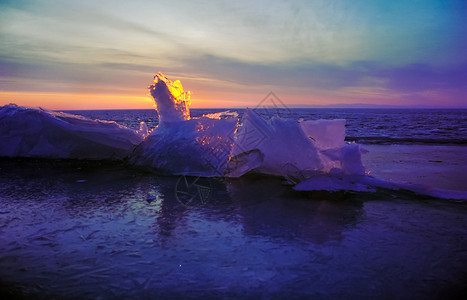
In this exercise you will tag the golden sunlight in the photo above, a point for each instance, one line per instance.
(68, 101)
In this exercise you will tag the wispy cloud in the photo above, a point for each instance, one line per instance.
(366, 49)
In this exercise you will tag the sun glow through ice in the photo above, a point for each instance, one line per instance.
(172, 103)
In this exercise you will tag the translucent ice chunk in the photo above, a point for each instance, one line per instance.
(172, 103)
(326, 134)
(349, 157)
(30, 132)
(197, 147)
(281, 141)
(244, 162)
(143, 129)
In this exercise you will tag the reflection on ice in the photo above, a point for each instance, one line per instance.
(273, 208)
(102, 238)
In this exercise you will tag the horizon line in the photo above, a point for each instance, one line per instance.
(291, 107)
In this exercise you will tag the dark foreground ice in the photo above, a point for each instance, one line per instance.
(99, 230)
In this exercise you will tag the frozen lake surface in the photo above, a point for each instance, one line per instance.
(82, 229)
(73, 229)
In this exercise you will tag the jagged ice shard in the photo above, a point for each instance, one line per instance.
(172, 103)
(181, 144)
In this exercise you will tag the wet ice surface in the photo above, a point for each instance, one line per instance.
(440, 166)
(81, 229)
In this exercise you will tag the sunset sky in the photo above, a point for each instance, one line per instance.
(104, 54)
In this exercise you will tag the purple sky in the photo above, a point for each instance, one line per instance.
(231, 53)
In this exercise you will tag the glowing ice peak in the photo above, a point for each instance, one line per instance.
(172, 103)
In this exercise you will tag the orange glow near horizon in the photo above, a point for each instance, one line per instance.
(68, 101)
(202, 99)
